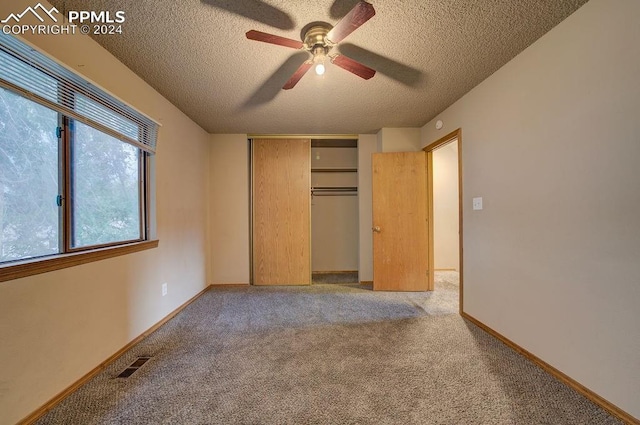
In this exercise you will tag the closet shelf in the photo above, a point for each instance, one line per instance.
(334, 170)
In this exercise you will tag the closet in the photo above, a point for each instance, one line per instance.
(304, 211)
(334, 211)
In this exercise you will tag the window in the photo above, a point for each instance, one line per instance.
(105, 189)
(28, 179)
(74, 161)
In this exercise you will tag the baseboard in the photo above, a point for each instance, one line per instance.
(226, 285)
(606, 405)
(366, 282)
(66, 392)
(445, 270)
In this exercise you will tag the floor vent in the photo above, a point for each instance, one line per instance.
(133, 367)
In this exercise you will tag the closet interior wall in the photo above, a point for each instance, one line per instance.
(334, 208)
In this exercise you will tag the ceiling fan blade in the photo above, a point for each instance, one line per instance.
(397, 71)
(357, 16)
(297, 75)
(354, 67)
(273, 39)
(340, 8)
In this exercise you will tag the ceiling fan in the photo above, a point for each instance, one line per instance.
(319, 38)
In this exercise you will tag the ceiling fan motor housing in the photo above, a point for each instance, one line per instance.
(316, 36)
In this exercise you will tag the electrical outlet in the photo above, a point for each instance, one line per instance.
(164, 289)
(477, 203)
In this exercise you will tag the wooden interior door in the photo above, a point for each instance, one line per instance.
(281, 211)
(401, 224)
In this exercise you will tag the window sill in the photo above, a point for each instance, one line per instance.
(62, 261)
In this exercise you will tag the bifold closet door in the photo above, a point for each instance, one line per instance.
(281, 211)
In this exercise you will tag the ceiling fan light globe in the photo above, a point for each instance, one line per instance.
(320, 69)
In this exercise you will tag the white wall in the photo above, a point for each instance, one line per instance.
(367, 145)
(445, 207)
(229, 209)
(57, 326)
(551, 142)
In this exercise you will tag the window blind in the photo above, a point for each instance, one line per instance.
(40, 78)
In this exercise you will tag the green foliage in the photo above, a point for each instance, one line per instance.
(28, 178)
(105, 183)
(105, 188)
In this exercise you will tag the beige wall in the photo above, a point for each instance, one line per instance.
(57, 326)
(367, 145)
(550, 141)
(445, 207)
(334, 233)
(334, 158)
(334, 219)
(399, 140)
(229, 209)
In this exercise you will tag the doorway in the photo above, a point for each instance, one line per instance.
(446, 177)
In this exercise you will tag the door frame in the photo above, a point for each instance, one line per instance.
(454, 135)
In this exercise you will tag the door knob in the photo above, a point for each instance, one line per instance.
(376, 229)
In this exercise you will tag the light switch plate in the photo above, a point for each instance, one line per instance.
(477, 203)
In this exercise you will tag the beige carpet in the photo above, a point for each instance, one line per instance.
(325, 354)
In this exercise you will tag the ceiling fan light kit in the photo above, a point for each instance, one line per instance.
(319, 39)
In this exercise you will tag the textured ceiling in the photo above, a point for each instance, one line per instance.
(428, 54)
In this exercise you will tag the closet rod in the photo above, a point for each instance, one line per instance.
(334, 188)
(336, 194)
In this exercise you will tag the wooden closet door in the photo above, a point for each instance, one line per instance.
(281, 211)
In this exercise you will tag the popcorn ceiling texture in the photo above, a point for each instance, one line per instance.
(428, 54)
